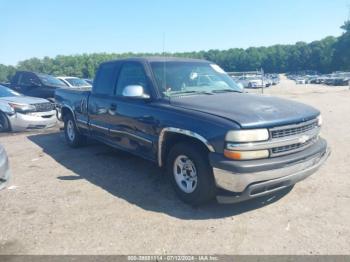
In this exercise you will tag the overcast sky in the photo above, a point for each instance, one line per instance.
(38, 28)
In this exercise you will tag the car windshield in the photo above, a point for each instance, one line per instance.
(50, 80)
(7, 92)
(178, 78)
(77, 82)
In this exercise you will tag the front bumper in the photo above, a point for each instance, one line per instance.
(237, 187)
(21, 122)
(4, 169)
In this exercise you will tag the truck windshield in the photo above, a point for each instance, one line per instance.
(179, 78)
(77, 82)
(50, 80)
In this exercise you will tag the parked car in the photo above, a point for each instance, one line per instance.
(251, 81)
(212, 140)
(5, 84)
(19, 112)
(300, 81)
(89, 81)
(35, 84)
(4, 168)
(74, 82)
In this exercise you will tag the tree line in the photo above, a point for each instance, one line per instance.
(326, 55)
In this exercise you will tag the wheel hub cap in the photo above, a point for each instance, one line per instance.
(185, 174)
(70, 130)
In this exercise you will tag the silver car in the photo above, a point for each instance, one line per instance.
(19, 112)
(4, 168)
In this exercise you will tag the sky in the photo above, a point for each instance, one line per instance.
(38, 28)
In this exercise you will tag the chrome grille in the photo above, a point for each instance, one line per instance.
(292, 131)
(292, 148)
(44, 107)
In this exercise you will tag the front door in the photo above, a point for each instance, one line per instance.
(133, 127)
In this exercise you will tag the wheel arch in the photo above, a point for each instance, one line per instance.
(7, 118)
(65, 110)
(170, 136)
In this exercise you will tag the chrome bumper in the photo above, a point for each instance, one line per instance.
(20, 122)
(251, 185)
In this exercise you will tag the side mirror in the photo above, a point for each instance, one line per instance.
(135, 91)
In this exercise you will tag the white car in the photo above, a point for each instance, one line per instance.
(74, 82)
(19, 112)
(300, 81)
(251, 81)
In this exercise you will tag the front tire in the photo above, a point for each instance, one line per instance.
(73, 137)
(190, 173)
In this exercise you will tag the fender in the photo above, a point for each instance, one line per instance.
(5, 108)
(183, 132)
(69, 108)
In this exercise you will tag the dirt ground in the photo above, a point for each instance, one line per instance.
(96, 200)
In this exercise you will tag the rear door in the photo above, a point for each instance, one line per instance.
(101, 105)
(29, 84)
(23, 83)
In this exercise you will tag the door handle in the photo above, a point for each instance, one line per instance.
(112, 109)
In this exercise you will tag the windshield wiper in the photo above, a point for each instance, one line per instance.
(226, 90)
(190, 92)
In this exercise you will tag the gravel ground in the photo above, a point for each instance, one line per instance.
(96, 200)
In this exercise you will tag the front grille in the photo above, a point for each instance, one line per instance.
(44, 107)
(292, 148)
(283, 132)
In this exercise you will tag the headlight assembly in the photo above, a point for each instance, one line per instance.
(252, 135)
(22, 108)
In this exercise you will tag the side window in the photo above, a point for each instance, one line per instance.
(28, 79)
(105, 80)
(131, 74)
(24, 80)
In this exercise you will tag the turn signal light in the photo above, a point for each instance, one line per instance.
(246, 155)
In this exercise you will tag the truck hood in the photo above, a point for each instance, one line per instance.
(23, 100)
(248, 110)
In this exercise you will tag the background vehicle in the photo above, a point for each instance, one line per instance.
(35, 84)
(300, 81)
(251, 81)
(18, 112)
(212, 139)
(74, 81)
(4, 168)
(89, 81)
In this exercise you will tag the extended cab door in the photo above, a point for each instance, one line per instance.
(24, 82)
(101, 105)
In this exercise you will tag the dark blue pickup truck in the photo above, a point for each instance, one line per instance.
(191, 118)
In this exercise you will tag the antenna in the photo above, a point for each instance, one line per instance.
(164, 65)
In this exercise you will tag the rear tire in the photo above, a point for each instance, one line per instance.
(4, 123)
(73, 137)
(190, 174)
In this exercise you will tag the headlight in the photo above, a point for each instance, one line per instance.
(246, 155)
(319, 120)
(252, 135)
(22, 108)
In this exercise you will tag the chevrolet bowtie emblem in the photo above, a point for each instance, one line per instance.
(303, 139)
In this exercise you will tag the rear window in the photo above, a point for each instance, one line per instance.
(105, 80)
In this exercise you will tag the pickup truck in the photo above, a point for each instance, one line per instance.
(35, 84)
(190, 118)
